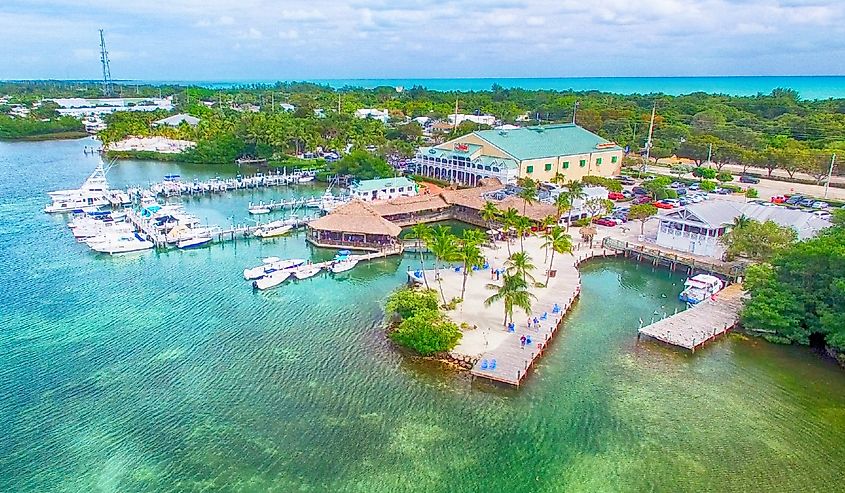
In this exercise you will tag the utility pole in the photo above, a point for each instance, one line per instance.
(709, 153)
(104, 60)
(648, 143)
(574, 112)
(829, 174)
(455, 126)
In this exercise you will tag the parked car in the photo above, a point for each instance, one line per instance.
(642, 199)
(627, 181)
(681, 191)
(639, 191)
(794, 199)
(662, 205)
(615, 196)
(822, 214)
(808, 202)
(820, 205)
(694, 186)
(722, 191)
(676, 184)
(778, 199)
(604, 221)
(749, 179)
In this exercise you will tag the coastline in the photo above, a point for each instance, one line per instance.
(49, 136)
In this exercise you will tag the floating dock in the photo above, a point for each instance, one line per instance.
(696, 326)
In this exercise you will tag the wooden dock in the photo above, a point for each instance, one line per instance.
(701, 323)
(673, 259)
(510, 361)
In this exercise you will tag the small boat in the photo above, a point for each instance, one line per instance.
(271, 265)
(699, 288)
(272, 232)
(306, 271)
(120, 244)
(305, 179)
(195, 242)
(344, 265)
(272, 280)
(259, 209)
(415, 277)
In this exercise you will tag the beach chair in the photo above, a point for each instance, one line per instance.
(492, 364)
(484, 364)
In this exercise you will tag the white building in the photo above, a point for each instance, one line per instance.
(375, 114)
(698, 228)
(459, 118)
(287, 107)
(79, 107)
(383, 189)
(176, 120)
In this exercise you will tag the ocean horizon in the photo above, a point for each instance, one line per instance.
(807, 86)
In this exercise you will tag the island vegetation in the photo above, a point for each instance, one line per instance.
(418, 322)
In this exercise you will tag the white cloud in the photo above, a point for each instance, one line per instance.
(289, 34)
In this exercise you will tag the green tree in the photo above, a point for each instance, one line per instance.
(725, 177)
(642, 213)
(509, 218)
(427, 332)
(758, 241)
(422, 233)
(514, 293)
(707, 185)
(469, 253)
(443, 244)
(406, 301)
(520, 264)
(362, 165)
(528, 193)
(704, 173)
(558, 241)
(489, 213)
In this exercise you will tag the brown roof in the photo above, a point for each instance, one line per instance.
(356, 217)
(406, 205)
(536, 211)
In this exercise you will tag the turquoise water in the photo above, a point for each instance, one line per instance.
(809, 87)
(166, 372)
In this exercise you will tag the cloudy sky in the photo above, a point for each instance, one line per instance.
(296, 39)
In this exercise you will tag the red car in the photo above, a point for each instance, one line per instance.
(604, 221)
(615, 196)
(662, 205)
(642, 199)
(778, 199)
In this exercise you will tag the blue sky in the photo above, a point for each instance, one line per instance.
(297, 39)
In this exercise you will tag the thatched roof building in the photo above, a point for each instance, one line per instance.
(354, 225)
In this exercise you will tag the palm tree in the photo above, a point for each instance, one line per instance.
(520, 264)
(422, 233)
(489, 213)
(558, 241)
(514, 292)
(474, 236)
(470, 254)
(528, 193)
(443, 244)
(575, 191)
(563, 202)
(509, 219)
(523, 226)
(545, 225)
(741, 221)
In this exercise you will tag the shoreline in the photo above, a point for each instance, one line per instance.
(47, 137)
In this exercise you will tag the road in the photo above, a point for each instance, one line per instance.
(770, 188)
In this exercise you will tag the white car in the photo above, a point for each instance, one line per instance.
(822, 214)
(820, 205)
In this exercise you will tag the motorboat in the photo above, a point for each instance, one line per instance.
(92, 193)
(100, 228)
(194, 242)
(415, 277)
(306, 271)
(271, 280)
(344, 265)
(120, 244)
(700, 287)
(272, 232)
(259, 209)
(271, 265)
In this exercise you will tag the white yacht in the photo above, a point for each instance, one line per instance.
(344, 265)
(194, 242)
(114, 244)
(92, 193)
(272, 232)
(259, 209)
(271, 265)
(94, 228)
(271, 280)
(306, 271)
(701, 287)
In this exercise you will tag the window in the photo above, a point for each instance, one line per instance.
(566, 165)
(529, 169)
(583, 163)
(614, 159)
(548, 166)
(598, 161)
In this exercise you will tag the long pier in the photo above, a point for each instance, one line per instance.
(673, 259)
(696, 326)
(174, 187)
(221, 235)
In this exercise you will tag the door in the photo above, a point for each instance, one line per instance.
(692, 247)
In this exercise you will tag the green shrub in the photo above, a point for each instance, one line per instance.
(406, 301)
(581, 222)
(706, 173)
(725, 177)
(708, 185)
(752, 193)
(426, 332)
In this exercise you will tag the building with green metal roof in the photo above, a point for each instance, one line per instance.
(539, 152)
(383, 189)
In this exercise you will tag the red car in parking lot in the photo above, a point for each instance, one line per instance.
(615, 196)
(604, 221)
(778, 199)
(662, 205)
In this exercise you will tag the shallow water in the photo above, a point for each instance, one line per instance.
(166, 372)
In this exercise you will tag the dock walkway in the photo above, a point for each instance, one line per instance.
(701, 323)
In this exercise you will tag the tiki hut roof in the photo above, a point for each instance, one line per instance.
(407, 205)
(588, 230)
(356, 217)
(536, 211)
